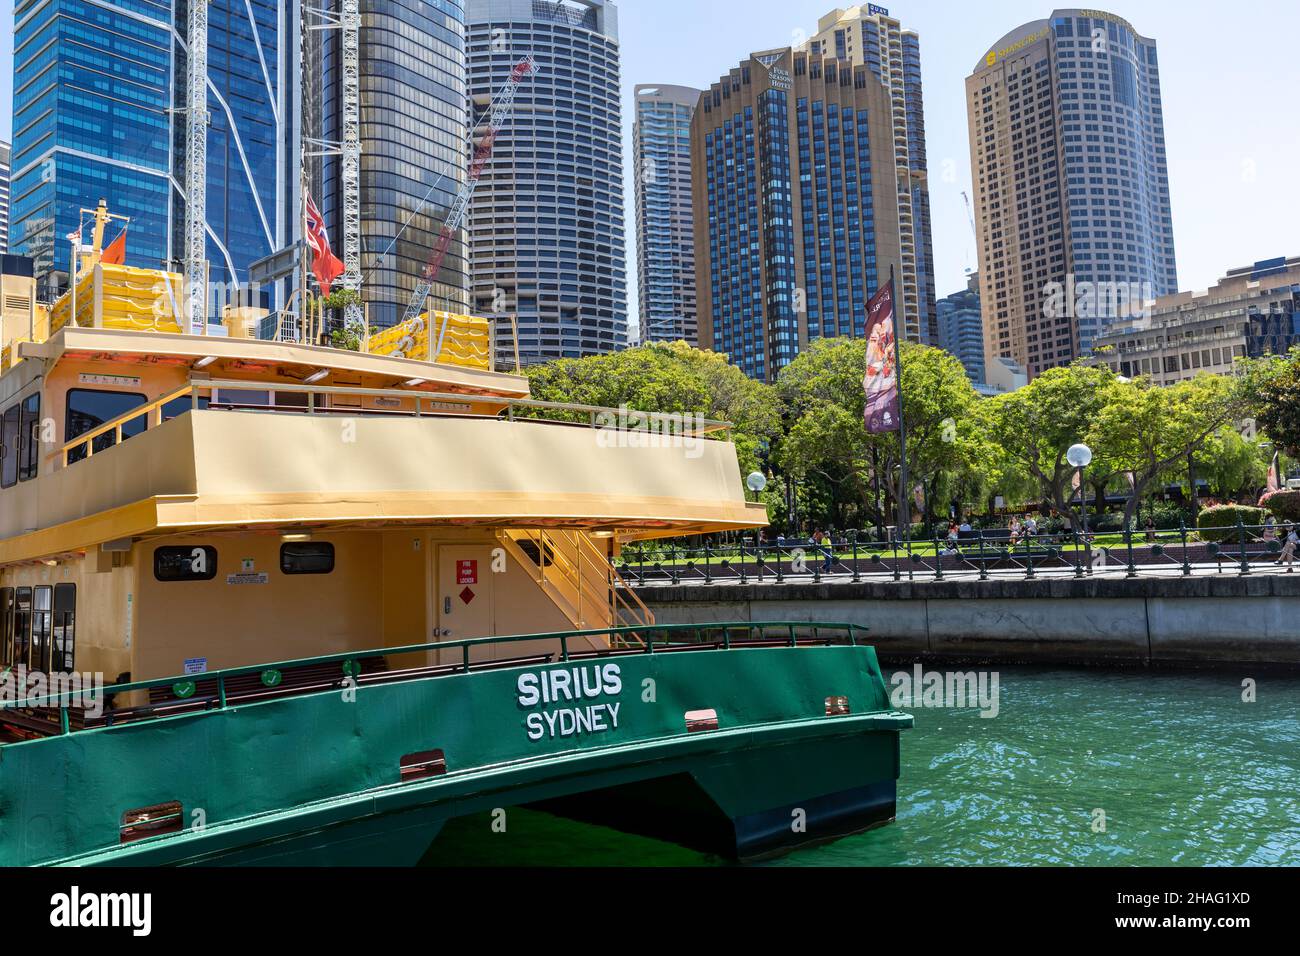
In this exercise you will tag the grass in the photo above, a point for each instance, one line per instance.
(865, 551)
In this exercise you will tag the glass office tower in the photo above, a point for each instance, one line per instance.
(95, 87)
(866, 35)
(414, 149)
(665, 223)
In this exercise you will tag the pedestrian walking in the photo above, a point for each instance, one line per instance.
(1289, 545)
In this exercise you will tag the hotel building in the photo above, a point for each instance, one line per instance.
(1071, 184)
(867, 35)
(796, 206)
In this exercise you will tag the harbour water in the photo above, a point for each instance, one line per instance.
(1079, 767)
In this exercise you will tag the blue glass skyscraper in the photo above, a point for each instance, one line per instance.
(961, 328)
(665, 223)
(97, 91)
(796, 205)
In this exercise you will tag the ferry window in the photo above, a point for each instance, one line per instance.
(307, 557)
(65, 627)
(239, 397)
(185, 563)
(22, 625)
(6, 626)
(88, 408)
(9, 444)
(41, 624)
(29, 438)
(179, 406)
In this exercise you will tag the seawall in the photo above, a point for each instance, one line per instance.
(1099, 621)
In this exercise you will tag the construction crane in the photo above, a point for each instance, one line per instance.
(196, 167)
(347, 20)
(498, 115)
(970, 215)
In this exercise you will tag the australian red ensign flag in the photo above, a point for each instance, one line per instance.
(880, 383)
(324, 263)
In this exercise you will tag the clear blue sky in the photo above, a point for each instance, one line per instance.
(1228, 76)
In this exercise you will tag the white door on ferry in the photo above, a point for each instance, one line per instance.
(464, 592)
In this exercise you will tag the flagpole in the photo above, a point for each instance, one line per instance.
(904, 504)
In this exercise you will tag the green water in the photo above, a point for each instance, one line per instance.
(1185, 772)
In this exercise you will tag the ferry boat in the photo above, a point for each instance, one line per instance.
(342, 597)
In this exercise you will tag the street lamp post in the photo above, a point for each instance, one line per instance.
(1080, 456)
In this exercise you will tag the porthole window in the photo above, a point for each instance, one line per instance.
(307, 557)
(185, 563)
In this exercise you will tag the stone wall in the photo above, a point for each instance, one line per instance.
(1175, 621)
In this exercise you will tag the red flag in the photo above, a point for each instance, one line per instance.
(325, 264)
(115, 254)
(880, 383)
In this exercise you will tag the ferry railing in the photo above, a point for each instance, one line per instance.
(651, 639)
(670, 425)
(1238, 549)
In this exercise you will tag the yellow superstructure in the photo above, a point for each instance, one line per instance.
(173, 503)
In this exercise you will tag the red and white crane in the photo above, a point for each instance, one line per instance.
(499, 114)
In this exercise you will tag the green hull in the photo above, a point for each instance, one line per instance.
(314, 779)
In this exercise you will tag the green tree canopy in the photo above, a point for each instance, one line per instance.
(671, 378)
(822, 391)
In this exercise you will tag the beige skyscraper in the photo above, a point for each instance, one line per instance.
(866, 35)
(1071, 184)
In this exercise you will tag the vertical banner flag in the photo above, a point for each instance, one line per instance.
(1274, 474)
(325, 264)
(880, 383)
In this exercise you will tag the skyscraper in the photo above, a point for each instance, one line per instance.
(414, 148)
(796, 206)
(665, 222)
(4, 197)
(867, 35)
(961, 330)
(547, 229)
(1071, 184)
(95, 87)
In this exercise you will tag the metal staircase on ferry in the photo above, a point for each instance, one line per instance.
(578, 576)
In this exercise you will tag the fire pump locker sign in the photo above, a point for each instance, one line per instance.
(467, 572)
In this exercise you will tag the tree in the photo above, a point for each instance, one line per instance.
(1143, 430)
(1270, 388)
(672, 378)
(826, 437)
(1036, 425)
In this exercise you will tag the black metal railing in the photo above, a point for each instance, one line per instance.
(1238, 549)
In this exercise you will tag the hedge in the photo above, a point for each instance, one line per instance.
(1285, 505)
(1223, 518)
